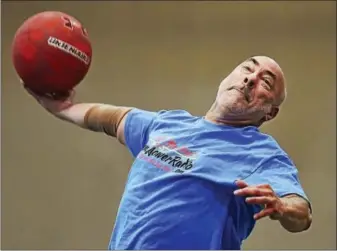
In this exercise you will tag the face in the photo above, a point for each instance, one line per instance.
(253, 91)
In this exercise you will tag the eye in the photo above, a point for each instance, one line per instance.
(267, 83)
(247, 68)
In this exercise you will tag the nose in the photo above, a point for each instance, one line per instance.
(250, 82)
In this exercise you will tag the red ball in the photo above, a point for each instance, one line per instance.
(51, 52)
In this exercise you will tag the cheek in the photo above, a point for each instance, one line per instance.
(231, 79)
(236, 76)
(263, 95)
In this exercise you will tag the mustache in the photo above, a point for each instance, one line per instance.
(245, 90)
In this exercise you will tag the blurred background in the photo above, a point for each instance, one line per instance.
(61, 185)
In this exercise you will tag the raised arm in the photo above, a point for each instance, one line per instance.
(92, 116)
(105, 118)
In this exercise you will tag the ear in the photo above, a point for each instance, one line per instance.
(272, 114)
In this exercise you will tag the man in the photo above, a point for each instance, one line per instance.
(201, 182)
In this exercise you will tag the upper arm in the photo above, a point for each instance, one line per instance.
(134, 129)
(120, 130)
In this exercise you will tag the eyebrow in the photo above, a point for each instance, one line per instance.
(255, 62)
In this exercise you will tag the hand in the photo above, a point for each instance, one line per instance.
(262, 195)
(52, 102)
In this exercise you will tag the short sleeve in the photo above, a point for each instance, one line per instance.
(281, 174)
(137, 128)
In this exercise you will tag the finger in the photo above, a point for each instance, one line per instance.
(260, 200)
(56, 96)
(72, 94)
(253, 191)
(32, 93)
(69, 95)
(62, 96)
(241, 184)
(265, 186)
(263, 213)
(29, 90)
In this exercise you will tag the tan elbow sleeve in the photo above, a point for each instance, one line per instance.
(105, 118)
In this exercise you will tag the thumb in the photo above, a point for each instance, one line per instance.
(34, 95)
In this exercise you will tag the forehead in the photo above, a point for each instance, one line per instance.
(264, 62)
(269, 65)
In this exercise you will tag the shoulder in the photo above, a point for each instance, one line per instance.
(179, 115)
(170, 119)
(267, 141)
(161, 114)
(268, 147)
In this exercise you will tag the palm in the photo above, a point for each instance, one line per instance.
(52, 102)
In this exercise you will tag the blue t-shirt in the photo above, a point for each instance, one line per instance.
(179, 192)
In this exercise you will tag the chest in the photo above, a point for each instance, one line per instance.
(200, 154)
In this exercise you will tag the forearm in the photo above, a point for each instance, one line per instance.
(297, 215)
(95, 117)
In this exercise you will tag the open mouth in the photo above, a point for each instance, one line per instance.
(246, 94)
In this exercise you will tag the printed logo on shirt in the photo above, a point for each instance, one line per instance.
(168, 155)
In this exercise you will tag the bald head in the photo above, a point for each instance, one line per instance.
(276, 72)
(253, 91)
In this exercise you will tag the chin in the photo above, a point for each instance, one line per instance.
(237, 109)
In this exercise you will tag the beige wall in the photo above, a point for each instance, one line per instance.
(61, 185)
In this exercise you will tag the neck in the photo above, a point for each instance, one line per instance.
(218, 115)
